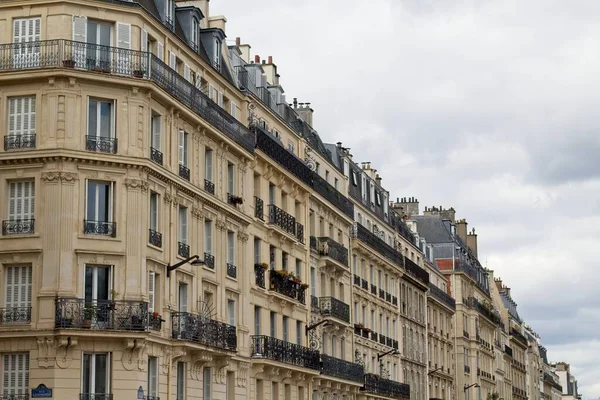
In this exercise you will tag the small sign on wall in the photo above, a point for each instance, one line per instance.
(41, 392)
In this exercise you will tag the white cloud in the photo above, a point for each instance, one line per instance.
(489, 106)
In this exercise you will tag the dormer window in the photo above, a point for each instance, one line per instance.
(195, 33)
(169, 11)
(217, 55)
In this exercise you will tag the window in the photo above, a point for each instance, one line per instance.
(154, 211)
(231, 312)
(206, 384)
(21, 206)
(99, 208)
(152, 377)
(208, 162)
(230, 247)
(101, 134)
(21, 123)
(17, 289)
(257, 324)
(96, 373)
(180, 380)
(230, 178)
(208, 236)
(195, 33)
(26, 30)
(15, 379)
(183, 148)
(183, 225)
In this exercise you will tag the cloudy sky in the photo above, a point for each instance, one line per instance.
(489, 106)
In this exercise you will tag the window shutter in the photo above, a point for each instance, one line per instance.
(181, 147)
(187, 73)
(151, 291)
(160, 50)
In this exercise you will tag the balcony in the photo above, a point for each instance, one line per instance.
(342, 369)
(335, 308)
(19, 142)
(417, 272)
(154, 238)
(375, 243)
(442, 296)
(300, 232)
(93, 396)
(259, 275)
(330, 248)
(101, 144)
(386, 388)
(231, 271)
(209, 186)
(282, 219)
(183, 249)
(209, 260)
(270, 348)
(284, 285)
(200, 329)
(184, 172)
(18, 227)
(15, 315)
(100, 228)
(118, 315)
(156, 156)
(259, 208)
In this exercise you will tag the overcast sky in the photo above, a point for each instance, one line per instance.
(489, 106)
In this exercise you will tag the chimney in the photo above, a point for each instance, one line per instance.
(461, 229)
(306, 113)
(472, 241)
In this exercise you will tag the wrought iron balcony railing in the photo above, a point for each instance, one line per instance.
(19, 315)
(122, 315)
(385, 387)
(413, 269)
(231, 271)
(259, 208)
(95, 396)
(154, 238)
(342, 369)
(198, 328)
(375, 243)
(18, 142)
(282, 219)
(335, 308)
(287, 287)
(209, 260)
(330, 248)
(274, 349)
(101, 144)
(183, 249)
(300, 232)
(209, 186)
(101, 228)
(259, 275)
(18, 227)
(184, 172)
(156, 156)
(442, 296)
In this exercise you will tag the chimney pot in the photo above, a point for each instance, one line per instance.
(270, 59)
(238, 41)
(257, 58)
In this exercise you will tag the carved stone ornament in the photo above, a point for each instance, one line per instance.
(136, 184)
(56, 176)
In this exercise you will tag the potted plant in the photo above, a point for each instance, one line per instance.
(69, 62)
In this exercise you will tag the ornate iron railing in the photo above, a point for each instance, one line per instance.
(328, 247)
(335, 308)
(289, 353)
(287, 287)
(282, 219)
(184, 172)
(156, 156)
(101, 144)
(376, 243)
(16, 142)
(95, 396)
(123, 315)
(342, 369)
(413, 269)
(154, 238)
(209, 186)
(259, 275)
(385, 387)
(101, 228)
(199, 328)
(183, 249)
(18, 227)
(300, 232)
(259, 208)
(231, 271)
(15, 315)
(209, 259)
(442, 296)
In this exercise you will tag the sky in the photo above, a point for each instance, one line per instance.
(488, 106)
